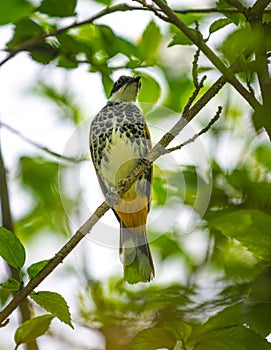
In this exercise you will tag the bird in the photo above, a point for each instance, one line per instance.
(119, 140)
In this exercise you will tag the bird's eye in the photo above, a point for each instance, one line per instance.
(120, 81)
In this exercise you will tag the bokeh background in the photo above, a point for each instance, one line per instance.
(211, 199)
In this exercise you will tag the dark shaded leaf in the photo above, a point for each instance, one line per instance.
(24, 30)
(55, 8)
(43, 53)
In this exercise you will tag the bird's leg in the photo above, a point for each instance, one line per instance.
(112, 198)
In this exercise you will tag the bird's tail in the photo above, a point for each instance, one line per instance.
(135, 255)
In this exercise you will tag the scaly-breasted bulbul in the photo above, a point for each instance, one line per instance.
(119, 139)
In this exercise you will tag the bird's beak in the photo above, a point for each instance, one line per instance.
(136, 80)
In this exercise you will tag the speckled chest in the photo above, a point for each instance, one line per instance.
(115, 123)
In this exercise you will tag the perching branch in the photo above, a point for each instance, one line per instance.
(156, 152)
(39, 146)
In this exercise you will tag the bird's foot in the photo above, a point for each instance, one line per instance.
(112, 198)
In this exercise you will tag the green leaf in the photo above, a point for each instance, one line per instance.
(11, 285)
(149, 44)
(218, 24)
(180, 329)
(263, 155)
(234, 338)
(104, 2)
(153, 339)
(11, 249)
(239, 40)
(249, 227)
(35, 268)
(234, 17)
(179, 38)
(107, 84)
(43, 53)
(56, 8)
(55, 304)
(13, 10)
(149, 93)
(24, 30)
(32, 329)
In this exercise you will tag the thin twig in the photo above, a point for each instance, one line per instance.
(238, 5)
(210, 54)
(26, 45)
(197, 135)
(103, 208)
(194, 94)
(40, 146)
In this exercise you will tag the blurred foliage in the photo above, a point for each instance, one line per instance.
(220, 298)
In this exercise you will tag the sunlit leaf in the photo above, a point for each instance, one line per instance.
(44, 53)
(35, 268)
(218, 24)
(32, 329)
(250, 227)
(55, 304)
(179, 38)
(149, 93)
(11, 249)
(149, 44)
(13, 10)
(107, 84)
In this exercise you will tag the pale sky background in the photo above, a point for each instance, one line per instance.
(35, 118)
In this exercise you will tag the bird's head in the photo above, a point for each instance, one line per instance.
(125, 89)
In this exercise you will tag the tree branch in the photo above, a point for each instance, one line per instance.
(238, 5)
(7, 223)
(197, 135)
(260, 5)
(200, 43)
(26, 45)
(39, 146)
(157, 151)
